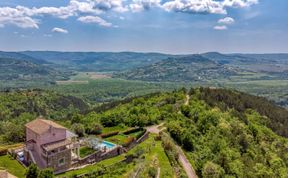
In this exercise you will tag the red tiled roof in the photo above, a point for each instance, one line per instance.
(41, 125)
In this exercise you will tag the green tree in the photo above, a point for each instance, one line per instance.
(79, 129)
(212, 170)
(32, 171)
(46, 173)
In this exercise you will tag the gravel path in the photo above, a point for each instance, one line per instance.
(182, 157)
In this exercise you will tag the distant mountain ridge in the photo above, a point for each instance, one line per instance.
(21, 56)
(15, 72)
(187, 68)
(98, 61)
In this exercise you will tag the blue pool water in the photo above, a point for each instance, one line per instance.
(107, 145)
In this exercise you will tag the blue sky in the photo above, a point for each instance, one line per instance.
(169, 26)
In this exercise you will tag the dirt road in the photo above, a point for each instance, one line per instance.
(182, 157)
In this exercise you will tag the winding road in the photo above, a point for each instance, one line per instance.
(182, 157)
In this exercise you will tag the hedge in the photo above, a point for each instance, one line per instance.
(132, 130)
(109, 134)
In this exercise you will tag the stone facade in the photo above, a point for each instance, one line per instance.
(49, 145)
(60, 161)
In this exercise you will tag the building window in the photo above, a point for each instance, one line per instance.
(61, 162)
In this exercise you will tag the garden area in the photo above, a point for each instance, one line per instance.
(110, 136)
(123, 137)
(147, 158)
(12, 166)
(85, 151)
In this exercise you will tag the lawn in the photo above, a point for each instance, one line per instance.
(117, 139)
(85, 151)
(134, 134)
(12, 166)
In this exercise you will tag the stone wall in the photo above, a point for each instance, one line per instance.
(53, 161)
(99, 156)
(114, 152)
(136, 142)
(94, 157)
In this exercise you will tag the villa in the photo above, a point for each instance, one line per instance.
(49, 144)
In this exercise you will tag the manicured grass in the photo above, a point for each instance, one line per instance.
(12, 166)
(118, 139)
(135, 133)
(85, 151)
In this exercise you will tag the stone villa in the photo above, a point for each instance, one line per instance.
(49, 144)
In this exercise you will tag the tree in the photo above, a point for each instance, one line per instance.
(46, 173)
(152, 171)
(79, 129)
(94, 128)
(32, 171)
(212, 170)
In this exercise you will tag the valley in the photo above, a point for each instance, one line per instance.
(67, 71)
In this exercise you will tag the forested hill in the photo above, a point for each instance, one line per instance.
(224, 133)
(276, 116)
(38, 102)
(220, 139)
(98, 61)
(186, 68)
(23, 72)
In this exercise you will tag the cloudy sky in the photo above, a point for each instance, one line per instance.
(170, 26)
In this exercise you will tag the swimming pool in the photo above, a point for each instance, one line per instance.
(106, 144)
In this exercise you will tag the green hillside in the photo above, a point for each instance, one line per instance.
(223, 133)
(25, 73)
(219, 142)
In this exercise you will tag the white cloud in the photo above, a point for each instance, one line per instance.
(205, 6)
(140, 5)
(59, 30)
(25, 17)
(22, 22)
(114, 5)
(195, 6)
(95, 19)
(220, 27)
(239, 3)
(226, 20)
